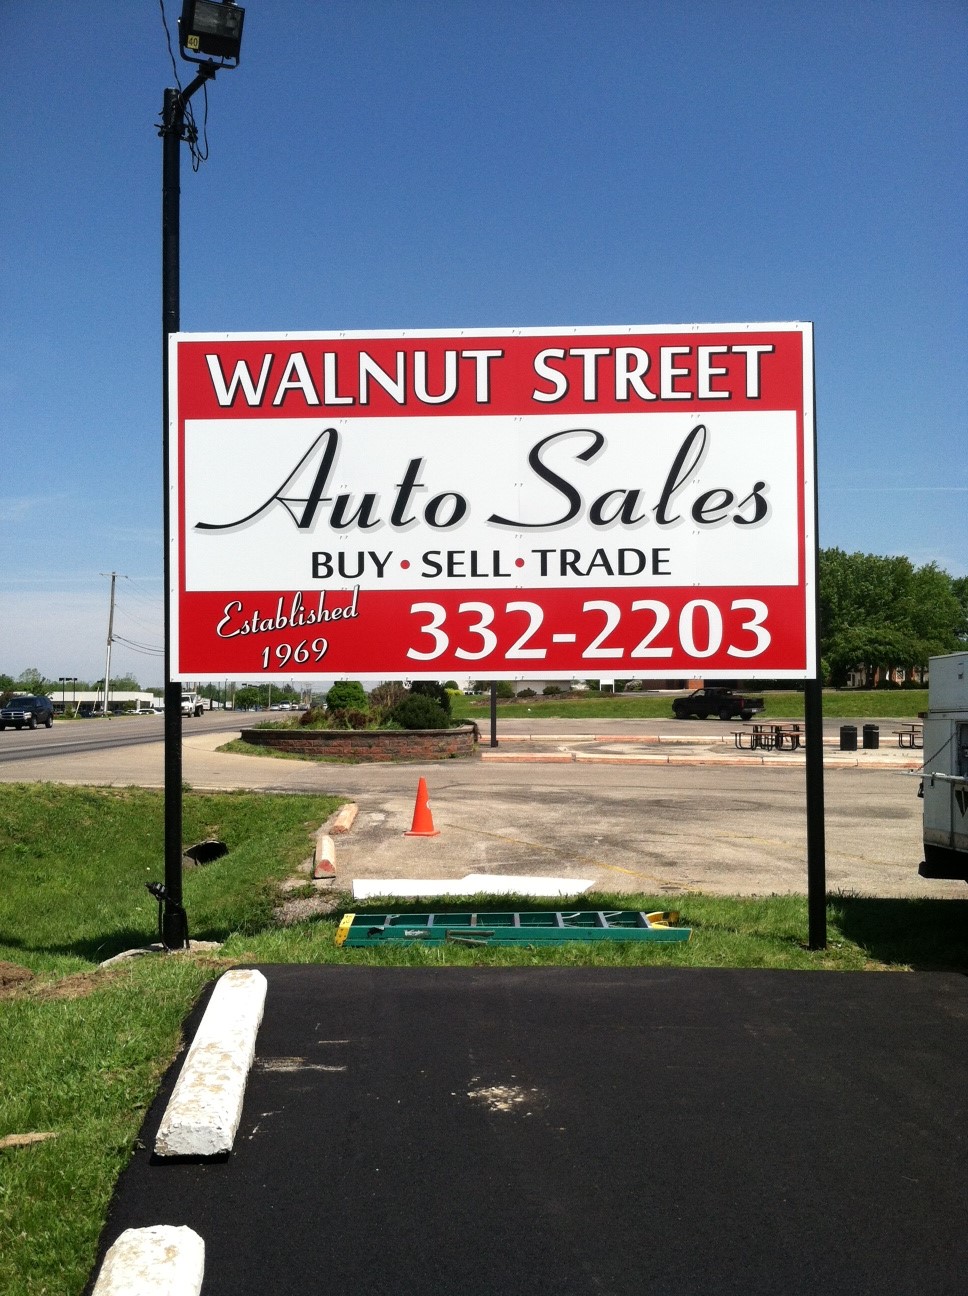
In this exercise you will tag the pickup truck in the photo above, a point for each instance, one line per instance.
(722, 702)
(192, 704)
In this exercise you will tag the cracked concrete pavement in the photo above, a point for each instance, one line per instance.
(722, 822)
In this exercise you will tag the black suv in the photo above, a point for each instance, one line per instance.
(28, 710)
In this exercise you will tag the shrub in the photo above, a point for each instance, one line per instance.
(384, 697)
(346, 693)
(550, 690)
(350, 718)
(431, 689)
(527, 693)
(505, 689)
(420, 712)
(313, 717)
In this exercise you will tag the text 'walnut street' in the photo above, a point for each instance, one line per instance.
(666, 373)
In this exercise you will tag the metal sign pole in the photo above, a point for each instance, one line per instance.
(816, 845)
(813, 716)
(174, 922)
(174, 926)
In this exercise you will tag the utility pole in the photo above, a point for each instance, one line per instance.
(107, 659)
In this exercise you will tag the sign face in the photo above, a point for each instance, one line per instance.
(633, 502)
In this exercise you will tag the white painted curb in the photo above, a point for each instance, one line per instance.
(206, 1105)
(160, 1261)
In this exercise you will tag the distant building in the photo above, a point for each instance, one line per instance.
(86, 702)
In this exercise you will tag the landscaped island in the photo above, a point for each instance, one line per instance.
(392, 723)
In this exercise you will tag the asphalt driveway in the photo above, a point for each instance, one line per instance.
(566, 1132)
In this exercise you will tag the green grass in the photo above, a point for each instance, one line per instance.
(900, 704)
(82, 1049)
(85, 1069)
(864, 934)
(74, 863)
(238, 747)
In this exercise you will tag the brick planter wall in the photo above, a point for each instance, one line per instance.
(369, 744)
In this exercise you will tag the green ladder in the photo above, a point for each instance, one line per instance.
(542, 928)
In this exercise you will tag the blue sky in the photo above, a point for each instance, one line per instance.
(409, 165)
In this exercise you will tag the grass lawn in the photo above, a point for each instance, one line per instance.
(82, 1048)
(899, 704)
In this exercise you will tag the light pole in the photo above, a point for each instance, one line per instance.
(64, 680)
(210, 28)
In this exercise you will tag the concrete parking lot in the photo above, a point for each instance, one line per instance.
(632, 821)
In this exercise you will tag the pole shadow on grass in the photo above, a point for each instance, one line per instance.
(98, 949)
(94, 950)
(921, 933)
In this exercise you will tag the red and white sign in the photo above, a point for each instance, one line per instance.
(630, 502)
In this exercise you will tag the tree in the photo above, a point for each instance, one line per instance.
(937, 617)
(959, 587)
(505, 689)
(119, 684)
(883, 613)
(31, 681)
(247, 697)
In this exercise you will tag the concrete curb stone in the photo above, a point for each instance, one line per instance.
(203, 1114)
(163, 1260)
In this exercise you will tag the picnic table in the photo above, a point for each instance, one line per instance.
(910, 735)
(768, 736)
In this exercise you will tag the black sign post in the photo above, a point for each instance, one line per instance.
(813, 718)
(174, 923)
(208, 30)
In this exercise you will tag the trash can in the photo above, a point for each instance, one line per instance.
(848, 737)
(872, 737)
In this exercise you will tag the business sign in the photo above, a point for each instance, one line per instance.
(628, 502)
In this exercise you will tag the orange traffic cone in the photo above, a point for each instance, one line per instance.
(423, 820)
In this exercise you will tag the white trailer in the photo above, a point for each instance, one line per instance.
(945, 785)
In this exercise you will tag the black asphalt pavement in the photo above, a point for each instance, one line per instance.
(563, 1132)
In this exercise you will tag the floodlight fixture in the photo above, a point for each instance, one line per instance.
(211, 29)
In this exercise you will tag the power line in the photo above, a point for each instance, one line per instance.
(148, 649)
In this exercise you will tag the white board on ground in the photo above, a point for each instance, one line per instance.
(472, 884)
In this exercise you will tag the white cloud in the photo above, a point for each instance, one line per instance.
(15, 508)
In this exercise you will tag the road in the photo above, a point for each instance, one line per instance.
(76, 737)
(623, 826)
